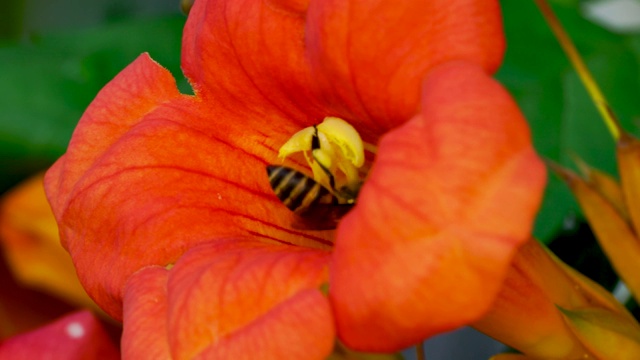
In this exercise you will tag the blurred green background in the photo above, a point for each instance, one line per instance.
(56, 55)
(54, 58)
(562, 117)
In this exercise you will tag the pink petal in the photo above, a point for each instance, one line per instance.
(74, 337)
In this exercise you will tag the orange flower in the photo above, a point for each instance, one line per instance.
(29, 238)
(165, 207)
(547, 310)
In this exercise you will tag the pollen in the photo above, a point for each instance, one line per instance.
(345, 137)
(333, 150)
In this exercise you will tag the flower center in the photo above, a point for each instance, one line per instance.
(335, 154)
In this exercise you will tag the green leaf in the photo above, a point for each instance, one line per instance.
(47, 84)
(563, 119)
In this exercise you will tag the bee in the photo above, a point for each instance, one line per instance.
(317, 207)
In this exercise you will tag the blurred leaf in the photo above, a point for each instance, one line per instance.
(562, 117)
(11, 19)
(47, 84)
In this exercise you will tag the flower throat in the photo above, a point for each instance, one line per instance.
(334, 151)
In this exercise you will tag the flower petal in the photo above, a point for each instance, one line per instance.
(371, 56)
(144, 334)
(525, 312)
(603, 183)
(242, 298)
(75, 336)
(300, 328)
(181, 174)
(628, 154)
(614, 231)
(31, 244)
(360, 60)
(260, 47)
(452, 195)
(120, 105)
(138, 89)
(607, 336)
(233, 299)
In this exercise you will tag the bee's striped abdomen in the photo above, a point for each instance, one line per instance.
(296, 190)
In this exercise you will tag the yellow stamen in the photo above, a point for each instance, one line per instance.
(334, 152)
(350, 171)
(324, 158)
(300, 141)
(342, 134)
(322, 167)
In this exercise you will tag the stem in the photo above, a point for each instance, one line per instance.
(420, 351)
(576, 60)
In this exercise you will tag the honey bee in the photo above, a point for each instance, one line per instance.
(317, 207)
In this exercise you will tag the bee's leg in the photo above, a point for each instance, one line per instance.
(315, 140)
(315, 148)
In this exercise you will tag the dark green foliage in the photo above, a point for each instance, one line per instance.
(46, 83)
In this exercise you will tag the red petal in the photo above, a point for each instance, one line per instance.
(169, 180)
(260, 49)
(232, 300)
(150, 173)
(145, 329)
(371, 56)
(361, 60)
(239, 299)
(74, 337)
(452, 195)
(299, 328)
(31, 244)
(526, 313)
(119, 106)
